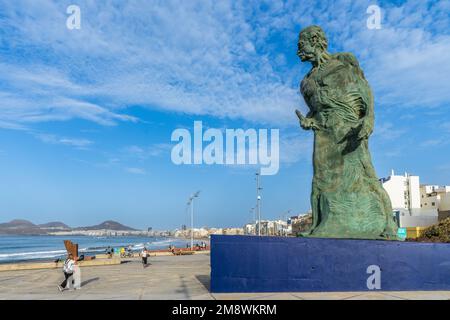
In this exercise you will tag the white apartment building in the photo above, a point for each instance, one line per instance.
(408, 200)
(250, 228)
(404, 192)
(280, 228)
(435, 197)
(269, 228)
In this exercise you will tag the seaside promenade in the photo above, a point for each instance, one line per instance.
(167, 277)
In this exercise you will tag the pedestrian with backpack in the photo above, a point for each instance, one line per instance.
(68, 268)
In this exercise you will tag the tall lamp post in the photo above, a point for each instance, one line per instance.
(284, 218)
(286, 214)
(191, 203)
(258, 201)
(252, 211)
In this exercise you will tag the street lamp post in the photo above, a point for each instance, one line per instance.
(191, 203)
(252, 211)
(258, 202)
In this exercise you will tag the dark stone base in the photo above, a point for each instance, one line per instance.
(288, 264)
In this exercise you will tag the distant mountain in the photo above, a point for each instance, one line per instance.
(18, 223)
(54, 225)
(19, 226)
(25, 227)
(109, 225)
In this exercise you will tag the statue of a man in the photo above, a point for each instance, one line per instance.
(347, 200)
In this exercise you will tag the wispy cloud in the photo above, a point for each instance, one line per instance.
(388, 131)
(145, 152)
(434, 142)
(136, 171)
(295, 147)
(53, 139)
(200, 57)
(194, 57)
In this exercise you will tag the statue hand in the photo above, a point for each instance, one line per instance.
(306, 123)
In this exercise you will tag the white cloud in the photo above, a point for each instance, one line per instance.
(11, 125)
(206, 58)
(388, 131)
(53, 139)
(193, 57)
(136, 171)
(145, 152)
(296, 147)
(434, 142)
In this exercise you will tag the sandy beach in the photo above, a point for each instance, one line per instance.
(166, 278)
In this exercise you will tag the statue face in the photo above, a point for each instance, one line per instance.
(306, 50)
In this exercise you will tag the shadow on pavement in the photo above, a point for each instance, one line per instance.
(205, 280)
(89, 281)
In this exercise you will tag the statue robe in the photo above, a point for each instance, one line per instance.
(347, 199)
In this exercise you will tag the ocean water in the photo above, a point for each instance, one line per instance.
(29, 248)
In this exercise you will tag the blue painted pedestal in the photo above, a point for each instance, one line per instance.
(288, 264)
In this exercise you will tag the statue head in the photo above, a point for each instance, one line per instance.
(312, 42)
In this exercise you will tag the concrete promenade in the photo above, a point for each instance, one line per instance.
(167, 277)
(55, 265)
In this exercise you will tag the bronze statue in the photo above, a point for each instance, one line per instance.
(347, 200)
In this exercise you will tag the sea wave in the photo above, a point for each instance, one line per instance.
(138, 246)
(11, 252)
(91, 250)
(32, 254)
(162, 242)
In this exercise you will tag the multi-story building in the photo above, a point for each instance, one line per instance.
(300, 223)
(434, 197)
(404, 192)
(250, 228)
(269, 228)
(408, 200)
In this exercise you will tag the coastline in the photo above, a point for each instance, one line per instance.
(45, 248)
(99, 260)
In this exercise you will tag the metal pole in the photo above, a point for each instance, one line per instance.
(191, 203)
(252, 211)
(258, 203)
(192, 224)
(254, 219)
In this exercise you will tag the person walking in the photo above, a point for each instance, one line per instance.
(144, 255)
(109, 252)
(68, 269)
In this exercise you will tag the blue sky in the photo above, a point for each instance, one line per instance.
(86, 115)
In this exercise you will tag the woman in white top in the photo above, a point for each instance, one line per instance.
(68, 269)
